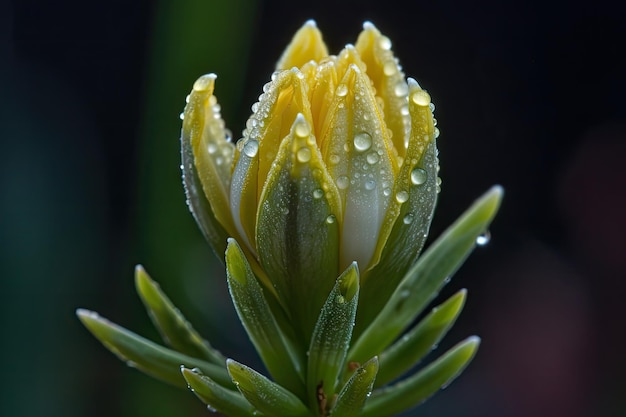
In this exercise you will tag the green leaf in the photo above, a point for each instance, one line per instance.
(266, 396)
(417, 388)
(282, 362)
(150, 358)
(174, 328)
(331, 338)
(297, 245)
(424, 280)
(354, 393)
(417, 343)
(218, 398)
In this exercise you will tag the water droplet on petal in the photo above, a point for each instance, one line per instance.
(402, 196)
(343, 182)
(302, 129)
(419, 176)
(421, 98)
(408, 219)
(331, 219)
(401, 89)
(389, 68)
(370, 185)
(384, 42)
(362, 141)
(483, 238)
(182, 116)
(303, 155)
(334, 159)
(318, 193)
(372, 158)
(340, 299)
(342, 90)
(251, 148)
(212, 148)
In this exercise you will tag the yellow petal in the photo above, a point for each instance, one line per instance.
(382, 68)
(306, 45)
(212, 151)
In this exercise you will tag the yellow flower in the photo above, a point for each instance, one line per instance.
(337, 164)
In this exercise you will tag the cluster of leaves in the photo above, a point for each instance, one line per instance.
(343, 372)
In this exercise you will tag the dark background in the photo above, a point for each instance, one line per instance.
(529, 94)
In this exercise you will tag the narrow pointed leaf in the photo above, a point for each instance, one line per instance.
(174, 328)
(218, 398)
(150, 358)
(257, 318)
(419, 387)
(358, 388)
(266, 396)
(331, 337)
(424, 280)
(417, 343)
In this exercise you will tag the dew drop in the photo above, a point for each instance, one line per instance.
(483, 239)
(402, 196)
(389, 68)
(419, 176)
(370, 185)
(384, 42)
(182, 116)
(372, 158)
(436, 132)
(342, 90)
(362, 141)
(340, 299)
(408, 219)
(334, 159)
(331, 219)
(302, 129)
(401, 89)
(343, 182)
(251, 148)
(212, 148)
(303, 155)
(318, 193)
(421, 98)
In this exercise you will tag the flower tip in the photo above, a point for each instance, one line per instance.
(311, 23)
(367, 25)
(412, 82)
(204, 82)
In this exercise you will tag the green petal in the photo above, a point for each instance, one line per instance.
(358, 388)
(174, 328)
(266, 396)
(331, 338)
(206, 162)
(297, 227)
(424, 280)
(283, 363)
(150, 358)
(417, 388)
(408, 219)
(421, 340)
(218, 398)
